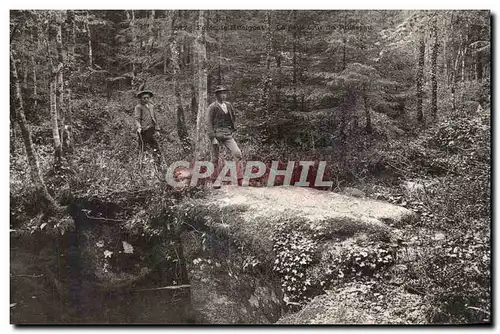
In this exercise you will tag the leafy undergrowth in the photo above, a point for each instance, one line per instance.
(104, 165)
(440, 264)
(445, 177)
(294, 253)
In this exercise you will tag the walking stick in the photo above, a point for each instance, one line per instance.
(141, 152)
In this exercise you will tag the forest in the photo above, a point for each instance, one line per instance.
(398, 103)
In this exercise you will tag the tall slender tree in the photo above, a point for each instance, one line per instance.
(344, 40)
(201, 149)
(193, 83)
(53, 72)
(294, 62)
(71, 24)
(167, 26)
(420, 77)
(266, 91)
(89, 40)
(60, 78)
(278, 58)
(220, 37)
(368, 116)
(68, 133)
(434, 57)
(151, 23)
(36, 176)
(35, 85)
(182, 131)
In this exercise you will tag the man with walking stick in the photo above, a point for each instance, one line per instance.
(147, 125)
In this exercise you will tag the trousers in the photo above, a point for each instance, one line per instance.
(232, 146)
(147, 138)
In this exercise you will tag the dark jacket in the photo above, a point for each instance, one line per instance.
(145, 116)
(220, 124)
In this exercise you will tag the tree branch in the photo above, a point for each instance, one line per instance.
(170, 287)
(13, 32)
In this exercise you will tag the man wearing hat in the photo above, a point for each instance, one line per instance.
(147, 125)
(220, 128)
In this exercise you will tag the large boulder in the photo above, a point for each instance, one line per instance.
(270, 230)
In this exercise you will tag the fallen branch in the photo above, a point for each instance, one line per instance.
(106, 219)
(194, 228)
(170, 287)
(128, 191)
(31, 276)
(131, 192)
(478, 309)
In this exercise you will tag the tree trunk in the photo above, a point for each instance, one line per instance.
(454, 82)
(434, 83)
(463, 64)
(131, 17)
(349, 104)
(186, 45)
(447, 48)
(39, 30)
(44, 39)
(188, 54)
(60, 82)
(194, 81)
(36, 176)
(279, 79)
(73, 38)
(53, 74)
(150, 32)
(12, 117)
(201, 150)
(266, 90)
(464, 54)
(453, 95)
(294, 61)
(182, 131)
(35, 86)
(220, 36)
(479, 67)
(165, 63)
(67, 127)
(25, 77)
(368, 127)
(344, 42)
(420, 78)
(445, 60)
(89, 39)
(169, 33)
(72, 35)
(165, 50)
(54, 122)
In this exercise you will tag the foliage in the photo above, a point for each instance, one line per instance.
(460, 280)
(357, 262)
(294, 253)
(457, 203)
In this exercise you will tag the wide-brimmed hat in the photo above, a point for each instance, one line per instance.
(220, 89)
(145, 91)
